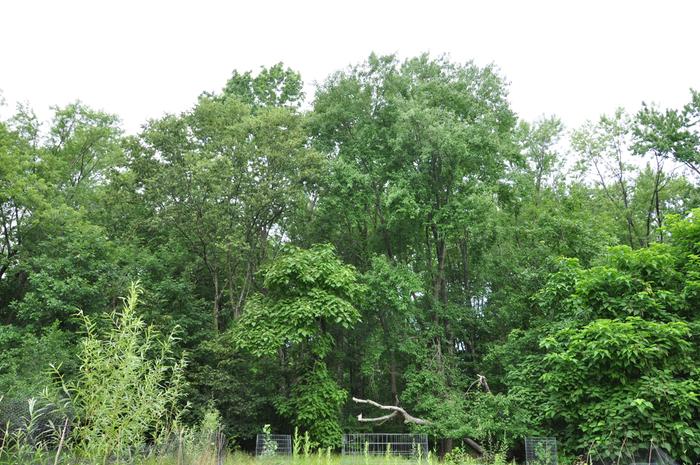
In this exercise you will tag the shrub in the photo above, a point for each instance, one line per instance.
(128, 386)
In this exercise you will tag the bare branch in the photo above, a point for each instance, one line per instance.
(407, 418)
(474, 445)
(360, 418)
(481, 382)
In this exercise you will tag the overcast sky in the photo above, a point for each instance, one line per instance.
(140, 59)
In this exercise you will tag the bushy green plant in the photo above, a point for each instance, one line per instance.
(628, 380)
(612, 358)
(203, 440)
(128, 387)
(459, 456)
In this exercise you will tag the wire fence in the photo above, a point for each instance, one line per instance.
(34, 420)
(633, 453)
(193, 449)
(270, 445)
(541, 451)
(405, 445)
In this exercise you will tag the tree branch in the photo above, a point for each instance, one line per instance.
(407, 418)
(360, 418)
(481, 382)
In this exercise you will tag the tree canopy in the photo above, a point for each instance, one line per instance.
(401, 236)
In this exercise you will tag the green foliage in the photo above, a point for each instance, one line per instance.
(314, 403)
(71, 267)
(238, 384)
(628, 282)
(307, 292)
(671, 133)
(494, 420)
(274, 86)
(217, 182)
(26, 359)
(617, 343)
(200, 441)
(630, 381)
(83, 146)
(448, 218)
(388, 314)
(269, 445)
(128, 387)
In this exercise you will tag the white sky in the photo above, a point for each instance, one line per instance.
(140, 59)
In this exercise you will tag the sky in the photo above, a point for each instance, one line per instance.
(142, 59)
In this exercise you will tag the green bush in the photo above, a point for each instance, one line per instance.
(128, 388)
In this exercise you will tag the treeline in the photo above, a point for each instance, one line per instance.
(403, 236)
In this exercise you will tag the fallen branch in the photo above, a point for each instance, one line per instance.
(377, 419)
(396, 410)
(474, 445)
(408, 418)
(483, 383)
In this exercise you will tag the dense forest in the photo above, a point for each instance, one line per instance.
(400, 236)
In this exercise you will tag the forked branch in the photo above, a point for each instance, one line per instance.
(481, 382)
(396, 410)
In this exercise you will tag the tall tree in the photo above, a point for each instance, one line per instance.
(671, 133)
(221, 179)
(307, 294)
(416, 152)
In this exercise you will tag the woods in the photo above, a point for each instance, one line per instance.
(401, 237)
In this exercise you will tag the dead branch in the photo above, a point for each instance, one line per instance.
(408, 418)
(474, 445)
(396, 410)
(377, 419)
(481, 382)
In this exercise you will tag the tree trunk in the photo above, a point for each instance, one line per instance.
(217, 297)
(392, 358)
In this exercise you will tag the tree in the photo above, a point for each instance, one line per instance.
(607, 360)
(60, 260)
(308, 295)
(416, 151)
(222, 178)
(275, 86)
(82, 146)
(19, 193)
(640, 196)
(670, 133)
(604, 148)
(538, 141)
